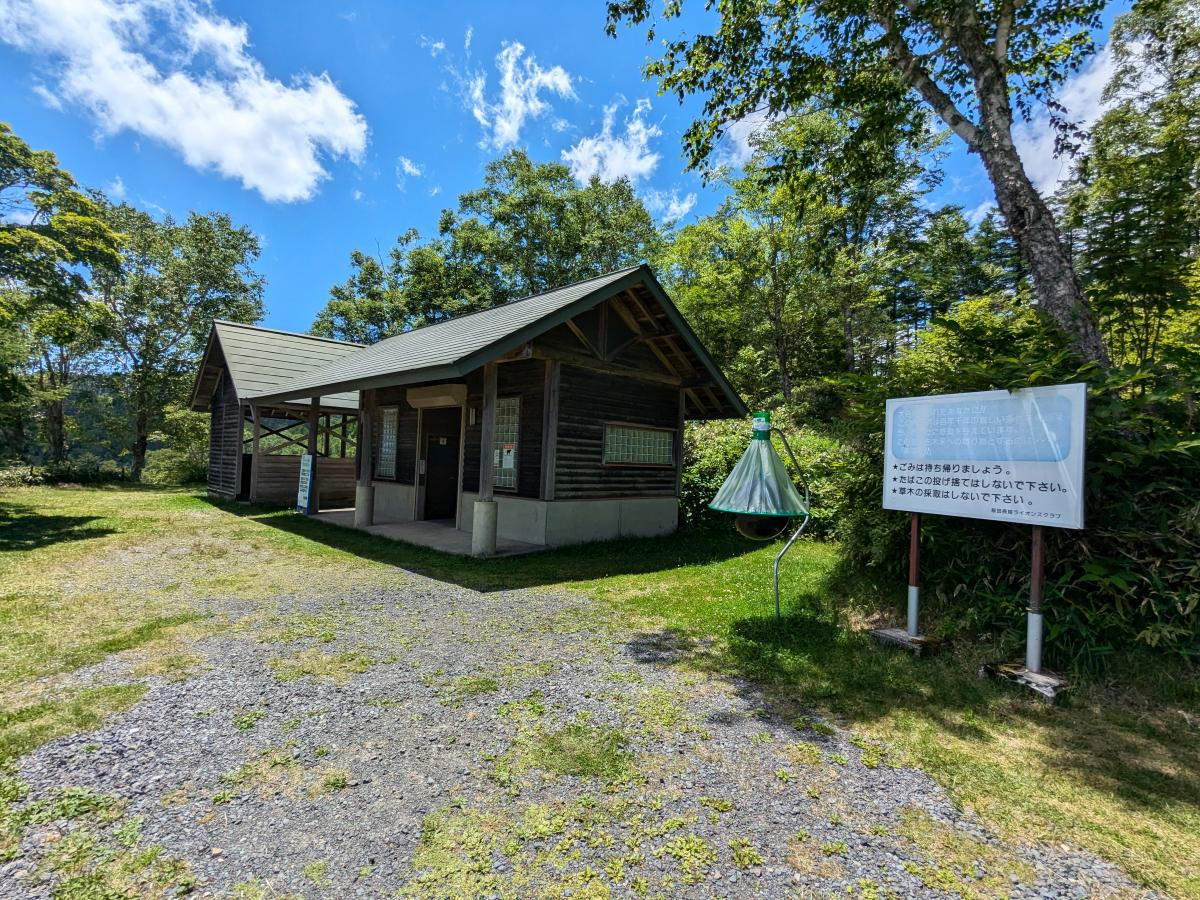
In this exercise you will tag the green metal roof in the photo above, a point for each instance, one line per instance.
(263, 359)
(457, 346)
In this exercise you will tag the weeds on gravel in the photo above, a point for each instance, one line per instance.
(743, 853)
(339, 668)
(244, 721)
(694, 854)
(959, 862)
(99, 856)
(25, 727)
(317, 872)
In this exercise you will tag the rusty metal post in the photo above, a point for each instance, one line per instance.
(1033, 627)
(914, 573)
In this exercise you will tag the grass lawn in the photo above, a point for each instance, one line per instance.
(88, 572)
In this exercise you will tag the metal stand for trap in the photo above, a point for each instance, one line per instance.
(803, 525)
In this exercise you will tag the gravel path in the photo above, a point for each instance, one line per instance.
(435, 741)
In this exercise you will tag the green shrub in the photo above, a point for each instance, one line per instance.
(712, 449)
(1132, 577)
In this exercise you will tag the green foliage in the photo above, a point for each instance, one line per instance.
(51, 236)
(711, 449)
(1131, 576)
(529, 228)
(177, 277)
(183, 458)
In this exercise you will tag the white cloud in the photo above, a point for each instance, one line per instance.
(467, 38)
(522, 83)
(357, 194)
(116, 188)
(180, 74)
(48, 96)
(406, 169)
(435, 190)
(736, 147)
(433, 46)
(1082, 97)
(669, 206)
(612, 156)
(980, 212)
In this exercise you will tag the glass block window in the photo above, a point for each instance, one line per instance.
(629, 445)
(508, 433)
(385, 465)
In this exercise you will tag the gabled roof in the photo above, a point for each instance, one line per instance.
(457, 346)
(264, 359)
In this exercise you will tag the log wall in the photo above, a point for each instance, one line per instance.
(279, 480)
(225, 440)
(586, 401)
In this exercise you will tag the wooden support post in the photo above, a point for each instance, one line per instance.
(364, 489)
(487, 438)
(678, 449)
(314, 418)
(484, 516)
(256, 416)
(550, 428)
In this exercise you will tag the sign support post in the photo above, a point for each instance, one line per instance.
(910, 637)
(914, 574)
(1033, 629)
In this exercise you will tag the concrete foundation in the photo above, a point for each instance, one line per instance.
(483, 528)
(393, 502)
(364, 505)
(558, 523)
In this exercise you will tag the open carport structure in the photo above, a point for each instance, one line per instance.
(255, 449)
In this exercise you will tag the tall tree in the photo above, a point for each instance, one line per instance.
(976, 65)
(1133, 207)
(65, 342)
(800, 267)
(51, 234)
(176, 279)
(529, 227)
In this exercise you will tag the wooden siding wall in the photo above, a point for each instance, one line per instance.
(526, 379)
(224, 440)
(279, 479)
(586, 401)
(406, 432)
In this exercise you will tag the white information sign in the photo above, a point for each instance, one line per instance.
(302, 493)
(1011, 457)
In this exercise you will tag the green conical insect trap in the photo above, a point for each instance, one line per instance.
(759, 484)
(760, 492)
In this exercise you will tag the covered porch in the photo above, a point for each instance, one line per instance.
(435, 535)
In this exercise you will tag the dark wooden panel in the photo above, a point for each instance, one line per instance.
(588, 400)
(526, 379)
(224, 440)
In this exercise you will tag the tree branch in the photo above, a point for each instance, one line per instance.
(918, 78)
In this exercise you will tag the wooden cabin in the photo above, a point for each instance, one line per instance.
(551, 420)
(254, 451)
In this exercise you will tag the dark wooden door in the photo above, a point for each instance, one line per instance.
(441, 476)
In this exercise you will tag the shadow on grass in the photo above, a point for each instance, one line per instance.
(1146, 757)
(564, 565)
(809, 660)
(21, 528)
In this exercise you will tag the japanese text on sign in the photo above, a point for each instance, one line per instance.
(988, 455)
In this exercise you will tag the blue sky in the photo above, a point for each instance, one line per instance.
(329, 126)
